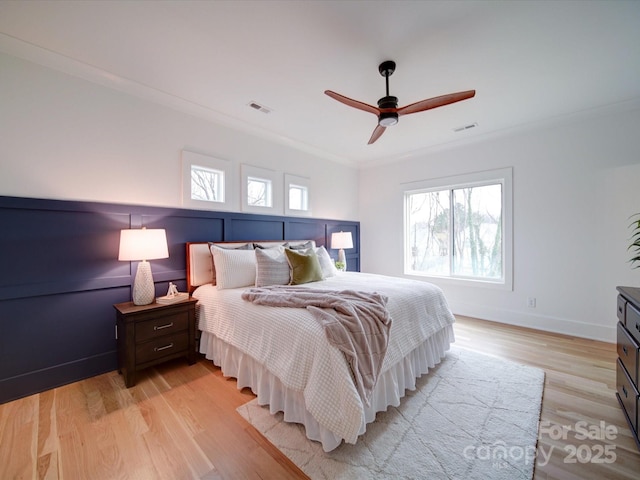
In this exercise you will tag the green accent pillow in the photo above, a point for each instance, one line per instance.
(304, 266)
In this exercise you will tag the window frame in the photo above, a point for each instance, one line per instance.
(198, 160)
(504, 176)
(300, 182)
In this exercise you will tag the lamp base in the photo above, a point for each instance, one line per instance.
(144, 291)
(342, 258)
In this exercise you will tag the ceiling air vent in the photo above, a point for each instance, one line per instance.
(260, 108)
(465, 127)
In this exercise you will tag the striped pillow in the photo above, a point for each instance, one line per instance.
(272, 267)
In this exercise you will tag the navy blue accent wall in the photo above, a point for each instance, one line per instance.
(60, 276)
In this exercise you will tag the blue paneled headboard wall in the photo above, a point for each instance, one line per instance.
(60, 276)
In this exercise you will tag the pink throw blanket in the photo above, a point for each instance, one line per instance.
(355, 322)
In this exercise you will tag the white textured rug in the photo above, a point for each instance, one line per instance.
(471, 417)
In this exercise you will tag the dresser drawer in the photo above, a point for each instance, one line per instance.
(162, 325)
(622, 309)
(632, 321)
(628, 352)
(162, 347)
(628, 395)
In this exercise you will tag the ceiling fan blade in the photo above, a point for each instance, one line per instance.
(377, 133)
(353, 103)
(436, 102)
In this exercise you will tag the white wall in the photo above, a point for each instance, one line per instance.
(62, 137)
(575, 185)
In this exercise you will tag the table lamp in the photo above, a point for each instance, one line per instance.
(142, 245)
(341, 240)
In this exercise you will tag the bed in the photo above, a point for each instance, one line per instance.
(283, 354)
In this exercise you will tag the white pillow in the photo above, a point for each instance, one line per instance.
(234, 268)
(272, 267)
(328, 267)
(229, 246)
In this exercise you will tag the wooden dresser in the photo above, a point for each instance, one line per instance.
(627, 376)
(152, 334)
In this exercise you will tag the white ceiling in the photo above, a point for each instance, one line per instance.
(529, 61)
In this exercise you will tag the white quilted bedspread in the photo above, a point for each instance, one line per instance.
(292, 345)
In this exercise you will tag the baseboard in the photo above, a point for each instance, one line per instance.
(538, 322)
(40, 380)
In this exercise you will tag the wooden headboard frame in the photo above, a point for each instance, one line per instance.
(200, 260)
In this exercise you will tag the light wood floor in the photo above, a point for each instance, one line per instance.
(180, 421)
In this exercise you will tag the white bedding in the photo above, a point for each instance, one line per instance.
(291, 345)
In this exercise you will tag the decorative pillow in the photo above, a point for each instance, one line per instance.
(272, 267)
(303, 246)
(246, 246)
(326, 263)
(305, 267)
(234, 268)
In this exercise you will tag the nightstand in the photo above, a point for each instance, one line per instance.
(151, 334)
(628, 363)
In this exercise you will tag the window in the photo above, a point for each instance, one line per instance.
(259, 192)
(208, 182)
(262, 190)
(297, 195)
(460, 228)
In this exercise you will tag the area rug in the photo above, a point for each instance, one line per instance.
(471, 417)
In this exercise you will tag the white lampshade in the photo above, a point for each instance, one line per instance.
(341, 240)
(143, 244)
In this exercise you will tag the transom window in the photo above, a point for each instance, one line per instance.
(207, 184)
(298, 197)
(460, 228)
(259, 192)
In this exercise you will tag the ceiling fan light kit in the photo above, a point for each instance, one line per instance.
(387, 110)
(387, 119)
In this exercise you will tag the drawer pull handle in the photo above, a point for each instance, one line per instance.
(160, 327)
(638, 326)
(620, 309)
(624, 390)
(159, 349)
(624, 349)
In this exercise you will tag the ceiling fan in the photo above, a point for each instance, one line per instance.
(387, 110)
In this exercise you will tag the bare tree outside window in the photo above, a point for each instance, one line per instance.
(258, 192)
(207, 184)
(429, 231)
(456, 232)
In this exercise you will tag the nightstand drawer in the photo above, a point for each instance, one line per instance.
(633, 321)
(628, 352)
(163, 325)
(162, 347)
(622, 309)
(628, 395)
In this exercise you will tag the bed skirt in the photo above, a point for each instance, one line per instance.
(389, 389)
